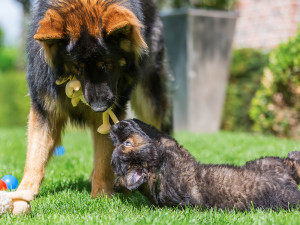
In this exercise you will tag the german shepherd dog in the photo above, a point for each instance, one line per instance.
(115, 49)
(155, 164)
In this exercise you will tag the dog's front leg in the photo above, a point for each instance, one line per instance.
(42, 138)
(102, 176)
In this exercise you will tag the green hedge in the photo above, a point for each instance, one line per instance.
(15, 102)
(245, 74)
(276, 105)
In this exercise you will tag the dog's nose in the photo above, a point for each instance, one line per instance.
(101, 106)
(97, 108)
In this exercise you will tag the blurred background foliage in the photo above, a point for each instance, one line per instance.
(245, 75)
(8, 58)
(263, 94)
(1, 37)
(14, 100)
(276, 105)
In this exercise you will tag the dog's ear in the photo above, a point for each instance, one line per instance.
(135, 178)
(119, 20)
(50, 31)
(50, 27)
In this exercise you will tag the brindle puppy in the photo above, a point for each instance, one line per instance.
(155, 164)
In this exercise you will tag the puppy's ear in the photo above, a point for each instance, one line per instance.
(135, 178)
(51, 27)
(49, 33)
(119, 20)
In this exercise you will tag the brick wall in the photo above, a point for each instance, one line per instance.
(266, 23)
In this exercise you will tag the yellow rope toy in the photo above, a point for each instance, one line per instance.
(74, 92)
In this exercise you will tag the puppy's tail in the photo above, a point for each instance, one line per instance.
(293, 162)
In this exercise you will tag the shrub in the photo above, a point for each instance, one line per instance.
(14, 100)
(276, 105)
(245, 74)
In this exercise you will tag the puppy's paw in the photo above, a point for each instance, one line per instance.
(20, 207)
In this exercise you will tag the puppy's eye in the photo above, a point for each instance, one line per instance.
(127, 144)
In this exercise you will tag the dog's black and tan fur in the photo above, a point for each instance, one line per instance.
(152, 162)
(115, 49)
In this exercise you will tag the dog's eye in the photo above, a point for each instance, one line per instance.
(104, 65)
(74, 69)
(100, 64)
(127, 144)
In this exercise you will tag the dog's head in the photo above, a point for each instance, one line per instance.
(95, 41)
(136, 155)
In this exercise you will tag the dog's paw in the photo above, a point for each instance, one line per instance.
(20, 207)
(102, 192)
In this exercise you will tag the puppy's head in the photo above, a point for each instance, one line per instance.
(136, 155)
(95, 41)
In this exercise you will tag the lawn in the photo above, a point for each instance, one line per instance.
(64, 196)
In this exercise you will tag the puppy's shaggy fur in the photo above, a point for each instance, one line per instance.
(147, 160)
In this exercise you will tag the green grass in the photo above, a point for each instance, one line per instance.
(64, 196)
